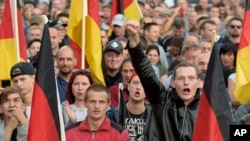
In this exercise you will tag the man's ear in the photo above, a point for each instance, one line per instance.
(172, 83)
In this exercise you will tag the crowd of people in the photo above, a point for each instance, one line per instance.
(158, 65)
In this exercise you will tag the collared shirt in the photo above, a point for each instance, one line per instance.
(62, 86)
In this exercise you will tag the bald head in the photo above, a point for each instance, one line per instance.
(65, 60)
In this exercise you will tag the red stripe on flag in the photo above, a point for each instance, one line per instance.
(6, 29)
(78, 53)
(21, 35)
(126, 3)
(117, 7)
(207, 127)
(245, 41)
(92, 11)
(43, 129)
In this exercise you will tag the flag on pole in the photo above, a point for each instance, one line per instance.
(44, 121)
(11, 32)
(117, 8)
(129, 8)
(242, 87)
(93, 47)
(214, 115)
(132, 10)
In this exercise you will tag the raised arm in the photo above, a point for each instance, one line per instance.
(152, 86)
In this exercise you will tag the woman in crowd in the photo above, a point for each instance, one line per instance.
(74, 109)
(34, 47)
(153, 54)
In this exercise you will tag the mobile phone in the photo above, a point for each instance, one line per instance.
(5, 83)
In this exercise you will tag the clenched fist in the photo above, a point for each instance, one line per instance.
(133, 29)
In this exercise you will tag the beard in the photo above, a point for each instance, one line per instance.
(235, 35)
(65, 72)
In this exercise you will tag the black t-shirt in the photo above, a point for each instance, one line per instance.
(135, 125)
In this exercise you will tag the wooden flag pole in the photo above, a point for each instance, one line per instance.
(16, 35)
(213, 37)
(84, 14)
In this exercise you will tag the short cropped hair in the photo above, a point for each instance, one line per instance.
(97, 88)
(184, 64)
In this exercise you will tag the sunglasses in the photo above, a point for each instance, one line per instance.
(81, 70)
(235, 26)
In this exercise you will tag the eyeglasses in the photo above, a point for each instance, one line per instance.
(235, 26)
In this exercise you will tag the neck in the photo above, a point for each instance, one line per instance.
(28, 99)
(149, 42)
(234, 40)
(135, 108)
(112, 72)
(95, 124)
(65, 77)
(55, 50)
(79, 104)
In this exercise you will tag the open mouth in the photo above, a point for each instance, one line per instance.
(186, 91)
(137, 93)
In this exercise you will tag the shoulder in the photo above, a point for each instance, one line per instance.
(111, 112)
(72, 126)
(117, 127)
(232, 77)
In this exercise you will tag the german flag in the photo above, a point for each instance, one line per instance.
(214, 114)
(129, 8)
(93, 47)
(242, 87)
(12, 39)
(44, 121)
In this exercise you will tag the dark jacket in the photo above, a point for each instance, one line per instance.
(171, 120)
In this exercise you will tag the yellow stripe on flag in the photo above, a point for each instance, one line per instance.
(8, 57)
(74, 30)
(132, 12)
(242, 87)
(93, 47)
(94, 50)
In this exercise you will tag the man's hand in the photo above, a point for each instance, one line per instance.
(133, 28)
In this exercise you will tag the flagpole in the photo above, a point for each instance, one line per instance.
(14, 12)
(137, 6)
(59, 107)
(84, 14)
(121, 104)
(213, 37)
